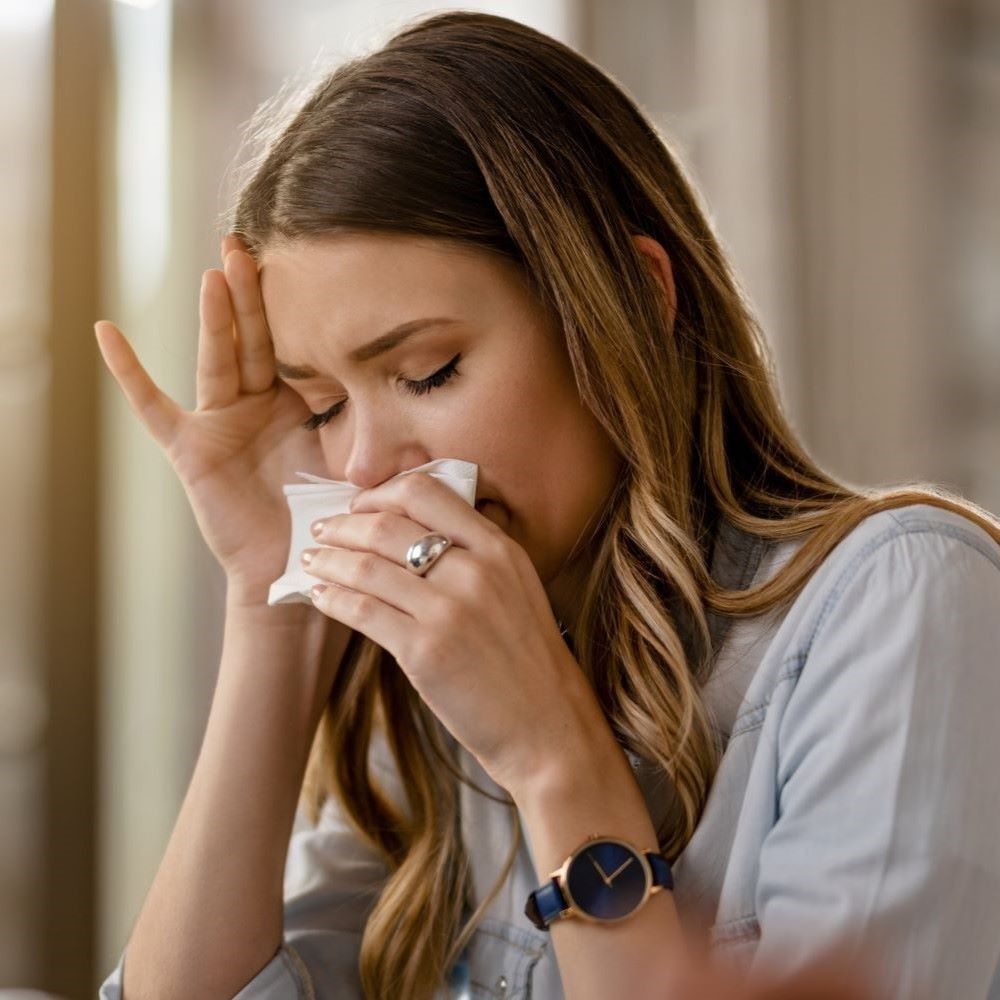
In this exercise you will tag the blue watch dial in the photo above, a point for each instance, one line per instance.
(607, 880)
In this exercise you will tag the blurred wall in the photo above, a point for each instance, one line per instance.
(25, 373)
(48, 671)
(819, 138)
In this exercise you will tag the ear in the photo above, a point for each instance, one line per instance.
(659, 263)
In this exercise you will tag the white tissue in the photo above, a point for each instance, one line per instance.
(320, 497)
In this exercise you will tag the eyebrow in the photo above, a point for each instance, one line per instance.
(380, 345)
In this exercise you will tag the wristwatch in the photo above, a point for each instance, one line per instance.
(604, 880)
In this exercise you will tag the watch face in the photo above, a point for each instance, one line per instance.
(607, 880)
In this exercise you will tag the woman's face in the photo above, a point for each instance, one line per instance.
(546, 467)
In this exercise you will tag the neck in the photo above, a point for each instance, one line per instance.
(565, 591)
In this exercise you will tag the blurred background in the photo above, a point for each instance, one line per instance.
(849, 155)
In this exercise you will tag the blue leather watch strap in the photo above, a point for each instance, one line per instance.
(662, 874)
(545, 904)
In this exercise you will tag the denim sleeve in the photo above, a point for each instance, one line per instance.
(887, 838)
(332, 879)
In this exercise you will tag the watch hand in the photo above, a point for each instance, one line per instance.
(600, 871)
(619, 870)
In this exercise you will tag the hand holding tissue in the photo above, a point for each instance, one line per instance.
(318, 498)
(476, 637)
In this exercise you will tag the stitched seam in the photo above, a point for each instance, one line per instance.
(854, 567)
(756, 546)
(739, 929)
(797, 659)
(529, 975)
(522, 967)
(751, 934)
(528, 949)
(524, 971)
(753, 718)
(923, 525)
(752, 558)
(299, 972)
(526, 956)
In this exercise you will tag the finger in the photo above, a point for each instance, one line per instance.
(157, 411)
(254, 348)
(387, 534)
(368, 573)
(218, 377)
(384, 625)
(229, 242)
(426, 500)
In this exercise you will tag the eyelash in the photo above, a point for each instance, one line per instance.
(418, 388)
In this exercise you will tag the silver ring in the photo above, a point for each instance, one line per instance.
(426, 551)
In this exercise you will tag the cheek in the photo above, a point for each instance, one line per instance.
(499, 425)
(560, 468)
(566, 512)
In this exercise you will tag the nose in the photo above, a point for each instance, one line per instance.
(376, 453)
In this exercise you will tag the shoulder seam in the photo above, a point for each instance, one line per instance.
(791, 666)
(854, 567)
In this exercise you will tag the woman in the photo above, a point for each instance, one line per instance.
(779, 686)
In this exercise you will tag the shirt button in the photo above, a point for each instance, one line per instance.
(502, 985)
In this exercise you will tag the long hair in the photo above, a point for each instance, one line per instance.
(479, 130)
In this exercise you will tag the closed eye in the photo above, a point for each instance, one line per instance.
(415, 388)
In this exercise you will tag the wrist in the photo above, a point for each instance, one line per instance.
(250, 602)
(579, 756)
(588, 789)
(588, 770)
(291, 646)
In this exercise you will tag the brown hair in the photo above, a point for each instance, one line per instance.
(479, 130)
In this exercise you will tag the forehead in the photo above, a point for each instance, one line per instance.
(369, 273)
(361, 261)
(353, 287)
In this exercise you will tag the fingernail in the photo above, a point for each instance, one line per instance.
(307, 555)
(317, 528)
(318, 589)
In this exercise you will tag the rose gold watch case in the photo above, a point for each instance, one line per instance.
(573, 910)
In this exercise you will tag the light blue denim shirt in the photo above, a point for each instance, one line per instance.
(857, 803)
